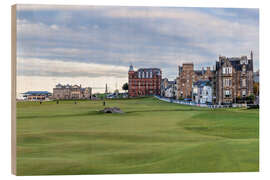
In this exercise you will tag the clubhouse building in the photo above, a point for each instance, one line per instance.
(71, 92)
(36, 95)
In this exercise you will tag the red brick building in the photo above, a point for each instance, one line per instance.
(144, 81)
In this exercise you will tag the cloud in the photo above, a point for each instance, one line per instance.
(56, 68)
(45, 7)
(144, 36)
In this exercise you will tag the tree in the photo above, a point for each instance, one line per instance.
(251, 98)
(116, 92)
(125, 87)
(256, 88)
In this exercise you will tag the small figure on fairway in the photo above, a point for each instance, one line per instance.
(104, 103)
(57, 102)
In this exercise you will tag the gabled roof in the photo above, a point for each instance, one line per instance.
(235, 62)
(202, 83)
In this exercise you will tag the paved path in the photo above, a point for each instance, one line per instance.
(189, 103)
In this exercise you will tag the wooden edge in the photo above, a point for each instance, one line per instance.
(13, 87)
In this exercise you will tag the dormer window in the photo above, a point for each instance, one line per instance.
(245, 61)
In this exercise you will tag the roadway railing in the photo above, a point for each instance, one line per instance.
(191, 103)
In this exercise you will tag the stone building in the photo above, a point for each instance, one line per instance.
(234, 78)
(187, 76)
(185, 79)
(71, 92)
(163, 86)
(144, 81)
(203, 74)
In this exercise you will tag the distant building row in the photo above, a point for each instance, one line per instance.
(231, 79)
(71, 92)
(60, 92)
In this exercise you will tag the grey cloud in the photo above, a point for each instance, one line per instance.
(160, 37)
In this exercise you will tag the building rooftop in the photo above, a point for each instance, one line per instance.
(236, 62)
(203, 83)
(148, 69)
(37, 93)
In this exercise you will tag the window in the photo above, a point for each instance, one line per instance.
(227, 70)
(227, 93)
(244, 93)
(244, 82)
(151, 74)
(226, 82)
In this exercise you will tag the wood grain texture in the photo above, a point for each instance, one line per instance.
(13, 88)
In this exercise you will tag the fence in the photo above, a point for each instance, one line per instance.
(190, 103)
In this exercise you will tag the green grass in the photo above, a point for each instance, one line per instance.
(150, 137)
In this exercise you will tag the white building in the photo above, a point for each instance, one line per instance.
(170, 90)
(202, 92)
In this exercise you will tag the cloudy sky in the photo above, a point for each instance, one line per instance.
(94, 45)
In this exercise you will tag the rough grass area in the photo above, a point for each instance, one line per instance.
(150, 137)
